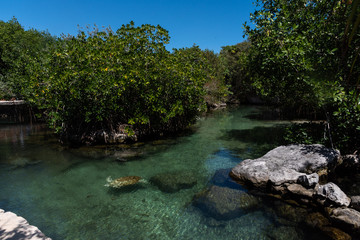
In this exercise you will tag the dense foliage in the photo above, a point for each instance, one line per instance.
(305, 56)
(235, 69)
(103, 80)
(18, 49)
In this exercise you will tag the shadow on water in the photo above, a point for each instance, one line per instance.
(258, 140)
(222, 178)
(258, 135)
(264, 113)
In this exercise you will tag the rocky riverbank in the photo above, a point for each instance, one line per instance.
(303, 174)
(17, 228)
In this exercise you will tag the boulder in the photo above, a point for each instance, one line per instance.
(174, 181)
(224, 203)
(15, 227)
(348, 217)
(286, 164)
(355, 202)
(330, 194)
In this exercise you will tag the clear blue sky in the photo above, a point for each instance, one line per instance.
(210, 24)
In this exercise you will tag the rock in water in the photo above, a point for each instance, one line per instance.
(224, 203)
(347, 216)
(332, 195)
(174, 181)
(123, 181)
(355, 202)
(285, 164)
(16, 227)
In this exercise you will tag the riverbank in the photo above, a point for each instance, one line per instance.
(17, 228)
(305, 175)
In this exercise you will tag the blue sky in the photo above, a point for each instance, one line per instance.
(210, 24)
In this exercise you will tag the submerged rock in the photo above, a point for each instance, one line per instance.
(174, 181)
(221, 178)
(294, 214)
(319, 221)
(122, 182)
(224, 203)
(348, 217)
(332, 195)
(316, 220)
(285, 233)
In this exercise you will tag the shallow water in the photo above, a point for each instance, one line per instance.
(62, 190)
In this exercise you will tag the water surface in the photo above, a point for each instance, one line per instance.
(61, 190)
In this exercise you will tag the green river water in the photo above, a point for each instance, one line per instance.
(61, 190)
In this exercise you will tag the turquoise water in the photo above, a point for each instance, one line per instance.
(61, 190)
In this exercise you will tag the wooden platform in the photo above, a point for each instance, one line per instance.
(10, 103)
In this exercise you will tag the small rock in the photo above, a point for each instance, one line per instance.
(347, 216)
(335, 233)
(332, 195)
(174, 181)
(316, 220)
(289, 212)
(299, 190)
(309, 181)
(355, 202)
(224, 203)
(285, 233)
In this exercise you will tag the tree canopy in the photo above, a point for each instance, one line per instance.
(305, 55)
(102, 79)
(18, 48)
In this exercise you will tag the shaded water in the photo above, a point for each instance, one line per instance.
(62, 190)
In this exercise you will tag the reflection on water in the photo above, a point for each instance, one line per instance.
(61, 190)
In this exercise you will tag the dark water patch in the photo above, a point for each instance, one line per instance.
(222, 178)
(258, 135)
(264, 114)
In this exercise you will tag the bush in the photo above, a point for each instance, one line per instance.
(101, 80)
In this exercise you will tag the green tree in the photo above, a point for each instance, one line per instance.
(18, 48)
(235, 69)
(120, 82)
(305, 55)
(298, 50)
